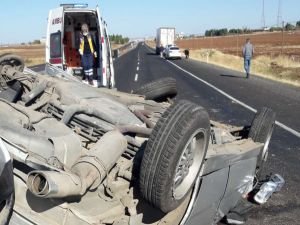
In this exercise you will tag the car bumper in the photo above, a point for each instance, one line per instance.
(174, 55)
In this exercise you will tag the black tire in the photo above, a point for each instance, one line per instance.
(158, 90)
(12, 60)
(179, 126)
(261, 131)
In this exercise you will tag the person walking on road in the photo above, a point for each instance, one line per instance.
(248, 51)
(87, 52)
(161, 49)
(187, 53)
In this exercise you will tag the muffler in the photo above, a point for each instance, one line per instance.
(86, 174)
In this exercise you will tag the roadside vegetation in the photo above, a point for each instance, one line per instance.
(280, 68)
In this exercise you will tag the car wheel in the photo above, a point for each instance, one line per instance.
(12, 60)
(159, 90)
(261, 131)
(174, 155)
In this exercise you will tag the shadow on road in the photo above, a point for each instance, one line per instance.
(231, 76)
(151, 53)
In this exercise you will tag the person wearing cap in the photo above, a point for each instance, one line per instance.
(88, 52)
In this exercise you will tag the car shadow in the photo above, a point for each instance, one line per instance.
(230, 76)
(151, 53)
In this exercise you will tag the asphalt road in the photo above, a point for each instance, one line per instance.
(230, 98)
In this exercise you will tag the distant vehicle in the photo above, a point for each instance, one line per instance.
(165, 36)
(64, 27)
(172, 52)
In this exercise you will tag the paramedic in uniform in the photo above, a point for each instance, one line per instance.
(87, 52)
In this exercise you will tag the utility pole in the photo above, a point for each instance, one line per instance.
(282, 37)
(279, 15)
(263, 20)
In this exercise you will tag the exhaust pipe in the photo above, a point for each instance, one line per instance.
(86, 174)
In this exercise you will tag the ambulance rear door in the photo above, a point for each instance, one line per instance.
(109, 61)
(54, 44)
(102, 50)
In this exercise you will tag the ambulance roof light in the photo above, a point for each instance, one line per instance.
(75, 5)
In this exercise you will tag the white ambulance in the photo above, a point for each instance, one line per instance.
(64, 27)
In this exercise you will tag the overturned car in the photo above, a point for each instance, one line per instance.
(84, 155)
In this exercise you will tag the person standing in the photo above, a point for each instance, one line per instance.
(248, 51)
(87, 52)
(161, 50)
(187, 53)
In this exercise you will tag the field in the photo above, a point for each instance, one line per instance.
(277, 55)
(32, 54)
(271, 44)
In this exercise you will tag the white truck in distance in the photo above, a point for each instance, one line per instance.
(164, 36)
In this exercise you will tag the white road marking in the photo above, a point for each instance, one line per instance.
(138, 68)
(136, 77)
(292, 131)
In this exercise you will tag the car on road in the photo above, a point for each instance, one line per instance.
(85, 155)
(62, 42)
(172, 52)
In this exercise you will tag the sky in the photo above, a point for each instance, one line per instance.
(24, 21)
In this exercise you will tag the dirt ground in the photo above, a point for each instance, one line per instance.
(32, 54)
(270, 43)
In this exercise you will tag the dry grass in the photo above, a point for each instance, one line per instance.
(150, 43)
(115, 46)
(280, 68)
(32, 54)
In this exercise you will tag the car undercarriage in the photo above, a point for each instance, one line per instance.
(85, 155)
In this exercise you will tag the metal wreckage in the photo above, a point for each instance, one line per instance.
(75, 154)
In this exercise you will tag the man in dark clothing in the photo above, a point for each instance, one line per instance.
(248, 52)
(161, 50)
(187, 53)
(87, 52)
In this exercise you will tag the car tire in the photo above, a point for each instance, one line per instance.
(261, 131)
(158, 90)
(182, 132)
(12, 60)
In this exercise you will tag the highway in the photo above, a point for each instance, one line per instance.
(230, 98)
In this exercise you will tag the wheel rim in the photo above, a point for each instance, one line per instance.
(189, 164)
(266, 145)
